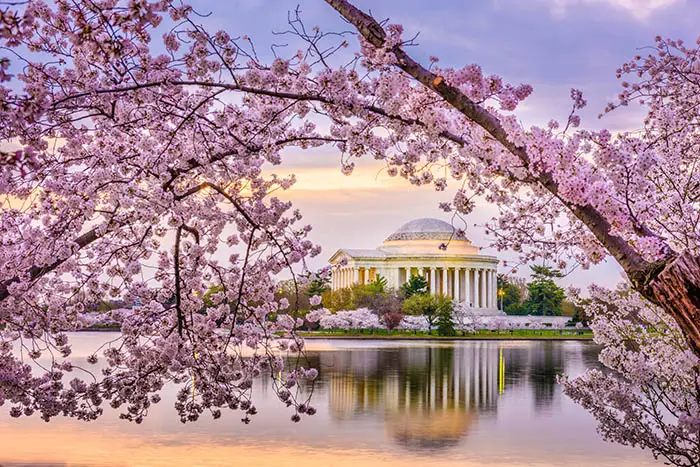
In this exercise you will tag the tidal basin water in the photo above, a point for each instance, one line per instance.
(380, 403)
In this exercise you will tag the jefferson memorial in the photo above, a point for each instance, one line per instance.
(458, 272)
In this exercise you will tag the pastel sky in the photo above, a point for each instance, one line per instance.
(552, 44)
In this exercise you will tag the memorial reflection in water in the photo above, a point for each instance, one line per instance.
(383, 403)
(428, 397)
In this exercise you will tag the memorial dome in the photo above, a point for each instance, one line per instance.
(426, 229)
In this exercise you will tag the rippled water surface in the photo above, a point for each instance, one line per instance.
(388, 403)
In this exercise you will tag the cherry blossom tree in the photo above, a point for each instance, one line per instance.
(392, 320)
(465, 318)
(140, 150)
(650, 400)
(361, 318)
(137, 171)
(413, 323)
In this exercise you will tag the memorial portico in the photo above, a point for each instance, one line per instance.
(458, 272)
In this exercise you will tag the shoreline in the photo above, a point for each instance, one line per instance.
(448, 338)
(440, 338)
(417, 337)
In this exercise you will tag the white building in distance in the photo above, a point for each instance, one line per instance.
(458, 272)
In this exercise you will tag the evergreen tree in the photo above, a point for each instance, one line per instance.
(545, 297)
(378, 285)
(416, 285)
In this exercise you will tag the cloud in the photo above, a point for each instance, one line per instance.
(640, 10)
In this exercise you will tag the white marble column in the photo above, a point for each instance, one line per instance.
(455, 284)
(467, 287)
(476, 288)
(489, 300)
(483, 288)
(443, 284)
(487, 289)
(495, 288)
(433, 281)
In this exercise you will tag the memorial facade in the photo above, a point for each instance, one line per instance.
(457, 271)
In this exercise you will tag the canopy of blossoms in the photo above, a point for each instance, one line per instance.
(143, 167)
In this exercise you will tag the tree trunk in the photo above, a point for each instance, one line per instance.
(677, 290)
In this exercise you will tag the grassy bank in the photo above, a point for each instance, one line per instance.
(481, 334)
(533, 334)
(104, 327)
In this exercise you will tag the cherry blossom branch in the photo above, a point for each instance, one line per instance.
(638, 268)
(36, 272)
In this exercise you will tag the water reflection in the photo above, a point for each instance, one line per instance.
(379, 403)
(429, 397)
(546, 362)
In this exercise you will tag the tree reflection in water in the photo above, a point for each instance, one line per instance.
(546, 362)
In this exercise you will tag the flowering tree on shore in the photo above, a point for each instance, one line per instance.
(141, 140)
(651, 398)
(362, 318)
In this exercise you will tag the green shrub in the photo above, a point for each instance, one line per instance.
(430, 306)
(445, 324)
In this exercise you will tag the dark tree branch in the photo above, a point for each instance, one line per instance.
(36, 272)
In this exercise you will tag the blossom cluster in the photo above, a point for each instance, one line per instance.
(361, 318)
(464, 317)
